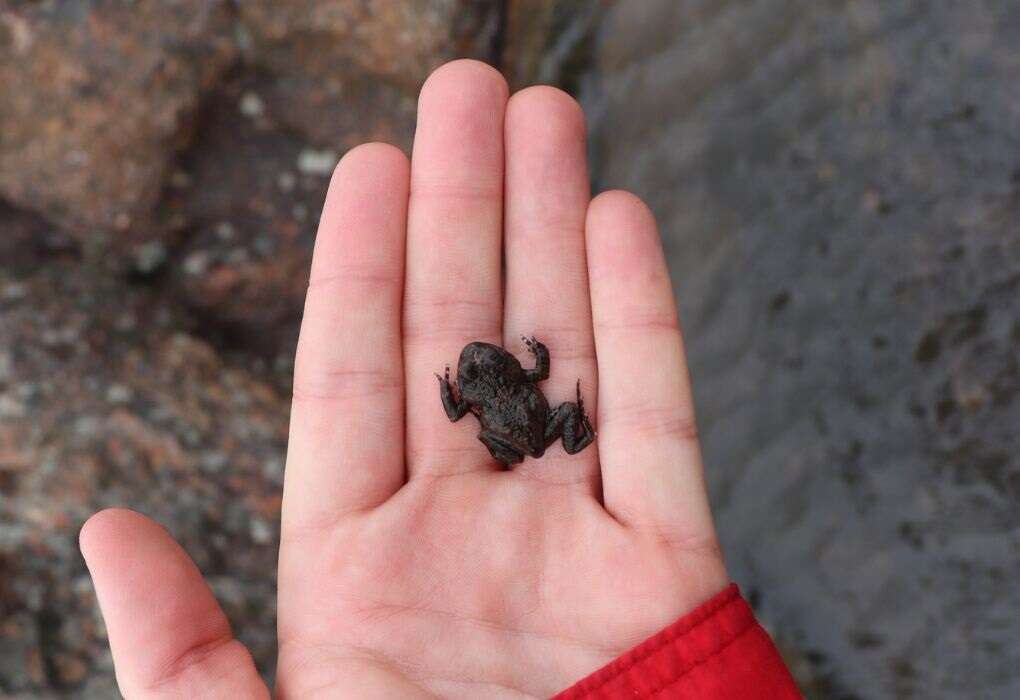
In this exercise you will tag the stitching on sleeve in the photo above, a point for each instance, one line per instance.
(701, 662)
(668, 638)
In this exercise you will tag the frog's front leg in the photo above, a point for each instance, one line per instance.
(541, 371)
(455, 408)
(569, 421)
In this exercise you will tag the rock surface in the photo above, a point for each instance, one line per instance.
(251, 199)
(316, 79)
(347, 71)
(549, 43)
(194, 141)
(106, 399)
(103, 99)
(95, 95)
(839, 189)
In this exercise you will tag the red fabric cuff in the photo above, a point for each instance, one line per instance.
(717, 652)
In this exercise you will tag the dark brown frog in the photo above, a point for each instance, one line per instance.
(513, 413)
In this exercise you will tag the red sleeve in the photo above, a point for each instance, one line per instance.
(717, 652)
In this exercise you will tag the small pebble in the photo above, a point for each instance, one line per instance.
(225, 231)
(229, 593)
(26, 391)
(265, 245)
(70, 669)
(119, 394)
(77, 157)
(14, 290)
(214, 461)
(126, 322)
(197, 263)
(261, 533)
(251, 105)
(238, 256)
(150, 256)
(180, 179)
(314, 162)
(65, 335)
(87, 426)
(272, 469)
(286, 181)
(10, 407)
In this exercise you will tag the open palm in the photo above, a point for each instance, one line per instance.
(411, 563)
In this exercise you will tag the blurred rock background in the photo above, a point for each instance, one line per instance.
(838, 184)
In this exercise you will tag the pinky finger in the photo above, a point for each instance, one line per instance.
(169, 637)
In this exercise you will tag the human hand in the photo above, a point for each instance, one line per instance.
(410, 563)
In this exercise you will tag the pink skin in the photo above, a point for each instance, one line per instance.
(417, 567)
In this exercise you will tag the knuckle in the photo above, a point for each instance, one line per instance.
(343, 383)
(654, 422)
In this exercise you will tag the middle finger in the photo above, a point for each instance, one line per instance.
(452, 293)
(547, 195)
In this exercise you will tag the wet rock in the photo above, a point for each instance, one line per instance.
(251, 213)
(95, 96)
(839, 189)
(347, 71)
(549, 43)
(27, 241)
(130, 414)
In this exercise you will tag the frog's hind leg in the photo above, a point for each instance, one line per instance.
(569, 421)
(500, 450)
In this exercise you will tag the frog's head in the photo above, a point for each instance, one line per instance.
(486, 364)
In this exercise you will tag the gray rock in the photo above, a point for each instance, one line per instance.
(838, 185)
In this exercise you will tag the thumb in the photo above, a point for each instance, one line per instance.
(168, 635)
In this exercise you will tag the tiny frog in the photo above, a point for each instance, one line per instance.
(514, 414)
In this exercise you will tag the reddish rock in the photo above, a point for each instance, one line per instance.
(96, 95)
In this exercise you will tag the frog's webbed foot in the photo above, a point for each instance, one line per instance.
(541, 371)
(586, 429)
(569, 421)
(500, 450)
(455, 408)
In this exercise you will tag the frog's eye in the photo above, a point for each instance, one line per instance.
(470, 371)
